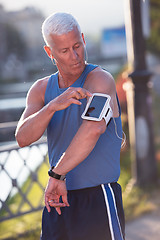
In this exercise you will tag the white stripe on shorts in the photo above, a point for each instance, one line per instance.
(116, 209)
(109, 212)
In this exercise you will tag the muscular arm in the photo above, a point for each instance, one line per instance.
(81, 146)
(36, 116)
(90, 131)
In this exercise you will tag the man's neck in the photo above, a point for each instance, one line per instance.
(66, 80)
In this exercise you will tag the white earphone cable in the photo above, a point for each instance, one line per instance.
(123, 133)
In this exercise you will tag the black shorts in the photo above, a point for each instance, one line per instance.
(94, 214)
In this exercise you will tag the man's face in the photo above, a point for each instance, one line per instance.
(68, 52)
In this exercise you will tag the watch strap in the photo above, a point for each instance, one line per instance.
(55, 175)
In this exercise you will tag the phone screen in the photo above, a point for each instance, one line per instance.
(96, 106)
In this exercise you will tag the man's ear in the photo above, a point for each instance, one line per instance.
(48, 51)
(83, 39)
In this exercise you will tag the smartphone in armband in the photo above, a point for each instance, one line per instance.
(98, 107)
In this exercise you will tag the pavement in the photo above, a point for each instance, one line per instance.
(146, 227)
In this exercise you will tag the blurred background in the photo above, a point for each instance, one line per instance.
(122, 36)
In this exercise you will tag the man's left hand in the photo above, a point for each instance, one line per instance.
(54, 190)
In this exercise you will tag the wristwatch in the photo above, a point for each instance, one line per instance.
(55, 175)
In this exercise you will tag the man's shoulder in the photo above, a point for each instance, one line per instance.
(100, 74)
(100, 79)
(38, 88)
(40, 84)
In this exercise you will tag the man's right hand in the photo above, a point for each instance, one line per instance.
(70, 96)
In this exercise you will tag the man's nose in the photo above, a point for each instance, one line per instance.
(74, 54)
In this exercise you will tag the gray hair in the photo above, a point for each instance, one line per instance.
(58, 24)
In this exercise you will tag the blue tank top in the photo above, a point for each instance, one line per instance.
(103, 163)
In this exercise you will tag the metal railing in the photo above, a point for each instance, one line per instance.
(21, 177)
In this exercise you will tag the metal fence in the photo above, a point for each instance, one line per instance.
(22, 179)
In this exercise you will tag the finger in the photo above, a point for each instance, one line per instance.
(56, 204)
(76, 94)
(65, 200)
(47, 204)
(87, 93)
(84, 93)
(74, 101)
(58, 210)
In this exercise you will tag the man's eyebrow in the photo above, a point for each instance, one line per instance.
(65, 48)
(61, 49)
(78, 42)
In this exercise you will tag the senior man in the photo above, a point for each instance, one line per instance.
(83, 199)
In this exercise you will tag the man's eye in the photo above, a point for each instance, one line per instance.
(64, 51)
